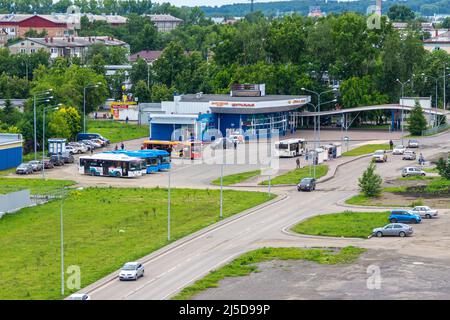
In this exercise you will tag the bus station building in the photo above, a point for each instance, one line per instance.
(246, 109)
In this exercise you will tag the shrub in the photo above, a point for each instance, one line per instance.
(370, 182)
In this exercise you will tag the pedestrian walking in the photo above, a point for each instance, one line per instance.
(116, 147)
(298, 163)
(122, 146)
(126, 120)
(391, 144)
(235, 145)
(92, 151)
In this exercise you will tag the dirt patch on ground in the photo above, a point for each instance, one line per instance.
(401, 277)
(405, 200)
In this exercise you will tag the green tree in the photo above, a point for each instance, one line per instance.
(446, 23)
(400, 13)
(73, 120)
(370, 182)
(160, 92)
(443, 167)
(58, 125)
(416, 121)
(142, 92)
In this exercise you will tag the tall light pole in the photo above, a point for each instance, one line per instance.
(317, 141)
(84, 102)
(319, 95)
(436, 79)
(43, 136)
(38, 97)
(403, 92)
(168, 210)
(221, 192)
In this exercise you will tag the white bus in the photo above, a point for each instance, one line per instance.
(112, 165)
(290, 148)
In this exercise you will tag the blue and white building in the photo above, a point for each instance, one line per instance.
(10, 150)
(247, 109)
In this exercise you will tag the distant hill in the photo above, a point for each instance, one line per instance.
(423, 7)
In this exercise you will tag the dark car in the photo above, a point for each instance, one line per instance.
(67, 157)
(48, 164)
(24, 168)
(307, 184)
(57, 160)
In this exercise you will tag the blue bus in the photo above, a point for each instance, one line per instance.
(151, 161)
(162, 155)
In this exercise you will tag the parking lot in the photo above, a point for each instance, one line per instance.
(415, 267)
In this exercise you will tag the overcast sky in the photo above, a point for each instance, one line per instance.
(207, 2)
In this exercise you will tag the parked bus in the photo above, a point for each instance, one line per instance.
(152, 161)
(189, 150)
(162, 156)
(290, 148)
(160, 145)
(112, 165)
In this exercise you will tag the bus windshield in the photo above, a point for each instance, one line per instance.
(165, 159)
(281, 146)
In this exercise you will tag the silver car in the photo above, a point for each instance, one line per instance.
(131, 271)
(36, 164)
(413, 144)
(425, 212)
(79, 296)
(409, 155)
(393, 229)
(412, 171)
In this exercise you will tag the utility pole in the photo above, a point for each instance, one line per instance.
(168, 211)
(221, 192)
(403, 85)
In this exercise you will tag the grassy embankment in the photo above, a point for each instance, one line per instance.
(343, 224)
(236, 178)
(366, 149)
(294, 176)
(103, 228)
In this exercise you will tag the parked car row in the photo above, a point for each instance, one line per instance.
(37, 165)
(398, 219)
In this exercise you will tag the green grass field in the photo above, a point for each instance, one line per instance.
(117, 131)
(366, 149)
(236, 178)
(103, 228)
(294, 176)
(246, 264)
(343, 224)
(35, 185)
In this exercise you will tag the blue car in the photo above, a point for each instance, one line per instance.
(404, 216)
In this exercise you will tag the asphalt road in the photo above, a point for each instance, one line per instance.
(172, 268)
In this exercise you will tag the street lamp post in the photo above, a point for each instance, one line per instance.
(38, 97)
(43, 136)
(221, 192)
(84, 102)
(317, 138)
(168, 211)
(436, 79)
(402, 116)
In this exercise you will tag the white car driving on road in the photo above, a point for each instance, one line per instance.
(400, 149)
(131, 271)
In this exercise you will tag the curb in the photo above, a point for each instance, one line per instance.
(341, 203)
(320, 180)
(180, 242)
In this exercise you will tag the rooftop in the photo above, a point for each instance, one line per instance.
(75, 41)
(147, 55)
(442, 38)
(163, 18)
(227, 97)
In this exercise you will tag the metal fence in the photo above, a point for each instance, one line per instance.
(435, 130)
(14, 201)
